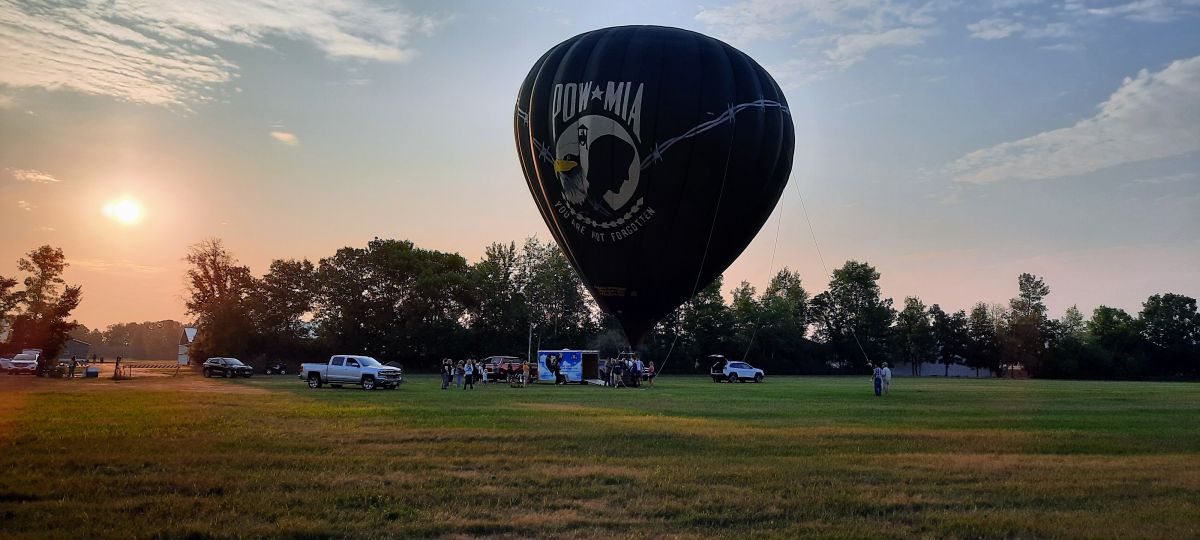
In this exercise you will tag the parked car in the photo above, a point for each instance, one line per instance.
(277, 368)
(351, 369)
(21, 364)
(226, 367)
(733, 371)
(502, 368)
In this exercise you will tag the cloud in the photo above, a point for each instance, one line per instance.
(6, 101)
(32, 176)
(168, 53)
(1152, 11)
(1151, 116)
(828, 36)
(106, 265)
(994, 28)
(25, 205)
(284, 137)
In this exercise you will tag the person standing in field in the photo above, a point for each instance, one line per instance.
(650, 373)
(483, 373)
(71, 373)
(458, 374)
(877, 377)
(469, 372)
(887, 379)
(525, 373)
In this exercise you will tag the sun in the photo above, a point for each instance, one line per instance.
(124, 210)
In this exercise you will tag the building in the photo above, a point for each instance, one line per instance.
(74, 347)
(185, 344)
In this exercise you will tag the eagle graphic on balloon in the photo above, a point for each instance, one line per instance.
(651, 197)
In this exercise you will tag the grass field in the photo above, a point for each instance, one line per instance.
(171, 457)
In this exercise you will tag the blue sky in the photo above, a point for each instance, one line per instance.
(951, 144)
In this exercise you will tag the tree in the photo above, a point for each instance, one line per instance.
(1116, 334)
(1171, 326)
(982, 345)
(1024, 339)
(395, 301)
(217, 292)
(852, 317)
(499, 318)
(43, 323)
(559, 306)
(912, 334)
(950, 337)
(706, 323)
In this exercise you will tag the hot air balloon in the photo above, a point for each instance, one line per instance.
(654, 155)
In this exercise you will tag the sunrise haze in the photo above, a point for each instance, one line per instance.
(951, 145)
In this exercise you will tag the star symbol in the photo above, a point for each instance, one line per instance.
(597, 93)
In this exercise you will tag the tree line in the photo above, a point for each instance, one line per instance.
(150, 340)
(398, 302)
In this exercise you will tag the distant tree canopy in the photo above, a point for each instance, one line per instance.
(151, 340)
(398, 302)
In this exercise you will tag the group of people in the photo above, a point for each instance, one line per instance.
(628, 371)
(464, 374)
(881, 376)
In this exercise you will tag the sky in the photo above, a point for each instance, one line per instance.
(953, 145)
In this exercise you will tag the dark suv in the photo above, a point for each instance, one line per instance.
(226, 367)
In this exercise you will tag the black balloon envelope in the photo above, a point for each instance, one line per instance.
(655, 155)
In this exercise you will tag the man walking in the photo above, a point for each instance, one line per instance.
(877, 377)
(71, 373)
(887, 380)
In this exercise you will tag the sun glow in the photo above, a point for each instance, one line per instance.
(125, 211)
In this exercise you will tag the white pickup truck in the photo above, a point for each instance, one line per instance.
(350, 369)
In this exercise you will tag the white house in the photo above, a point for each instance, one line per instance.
(185, 343)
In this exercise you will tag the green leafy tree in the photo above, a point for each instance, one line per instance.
(47, 303)
(951, 337)
(560, 308)
(218, 290)
(983, 349)
(778, 341)
(1024, 340)
(852, 317)
(395, 302)
(499, 316)
(913, 335)
(1171, 327)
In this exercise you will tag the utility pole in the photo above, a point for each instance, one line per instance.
(529, 352)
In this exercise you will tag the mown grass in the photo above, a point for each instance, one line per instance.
(791, 457)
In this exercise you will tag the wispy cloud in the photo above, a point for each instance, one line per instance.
(6, 101)
(116, 265)
(829, 36)
(25, 205)
(32, 176)
(167, 53)
(285, 137)
(996, 28)
(1153, 11)
(1151, 116)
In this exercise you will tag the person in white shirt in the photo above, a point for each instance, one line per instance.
(887, 380)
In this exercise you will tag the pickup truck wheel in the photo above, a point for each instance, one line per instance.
(733, 377)
(368, 383)
(228, 374)
(758, 377)
(314, 381)
(207, 374)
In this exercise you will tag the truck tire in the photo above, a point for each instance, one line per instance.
(733, 377)
(758, 377)
(368, 383)
(207, 374)
(314, 381)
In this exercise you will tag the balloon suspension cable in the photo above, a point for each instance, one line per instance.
(712, 227)
(821, 257)
(770, 270)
